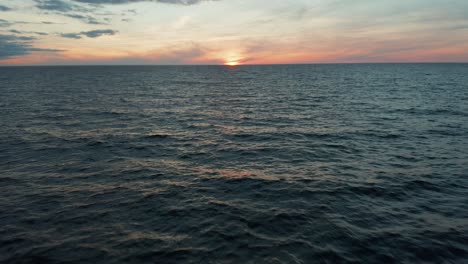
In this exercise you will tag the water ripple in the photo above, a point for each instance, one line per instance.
(254, 164)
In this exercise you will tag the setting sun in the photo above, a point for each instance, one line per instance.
(231, 63)
(233, 59)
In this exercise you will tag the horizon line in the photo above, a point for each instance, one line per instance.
(223, 65)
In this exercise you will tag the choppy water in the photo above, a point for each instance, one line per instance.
(254, 164)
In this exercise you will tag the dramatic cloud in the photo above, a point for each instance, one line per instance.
(12, 46)
(4, 8)
(89, 34)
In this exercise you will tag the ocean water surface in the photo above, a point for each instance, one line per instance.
(253, 164)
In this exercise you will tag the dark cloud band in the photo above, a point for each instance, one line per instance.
(89, 34)
(13, 46)
(5, 8)
(84, 10)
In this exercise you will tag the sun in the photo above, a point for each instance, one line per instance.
(233, 59)
(231, 63)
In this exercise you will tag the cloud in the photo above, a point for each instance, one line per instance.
(89, 34)
(61, 6)
(71, 35)
(12, 46)
(85, 10)
(50, 23)
(69, 6)
(28, 32)
(5, 8)
(69, 9)
(85, 18)
(57, 5)
(5, 23)
(182, 53)
(115, 2)
(98, 33)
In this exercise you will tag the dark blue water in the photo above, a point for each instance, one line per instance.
(253, 164)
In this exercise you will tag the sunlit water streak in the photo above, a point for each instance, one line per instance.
(251, 164)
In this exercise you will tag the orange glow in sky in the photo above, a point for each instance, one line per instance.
(128, 32)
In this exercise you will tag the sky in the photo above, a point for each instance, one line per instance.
(231, 32)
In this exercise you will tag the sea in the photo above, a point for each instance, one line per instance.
(328, 163)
